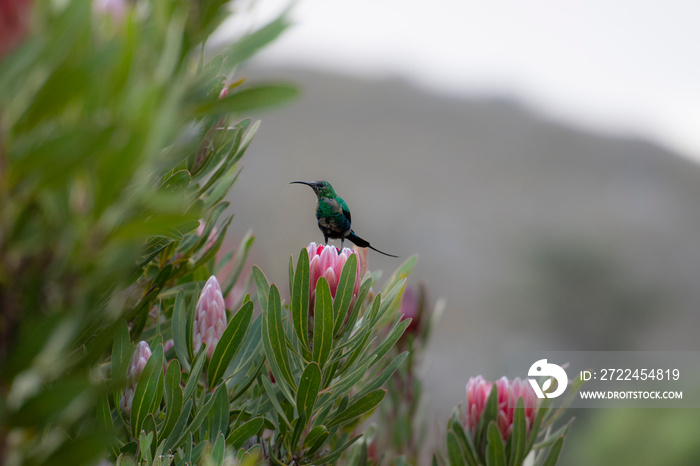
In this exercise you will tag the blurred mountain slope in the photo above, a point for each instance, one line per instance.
(539, 236)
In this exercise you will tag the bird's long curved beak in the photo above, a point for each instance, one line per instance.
(302, 182)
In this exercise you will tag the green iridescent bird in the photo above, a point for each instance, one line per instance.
(333, 216)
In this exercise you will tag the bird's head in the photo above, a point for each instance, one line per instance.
(321, 188)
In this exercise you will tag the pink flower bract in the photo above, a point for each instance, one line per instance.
(478, 391)
(210, 317)
(328, 261)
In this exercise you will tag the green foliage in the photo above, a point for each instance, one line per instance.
(120, 139)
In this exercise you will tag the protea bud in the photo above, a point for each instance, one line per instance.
(210, 317)
(328, 261)
(136, 365)
(509, 391)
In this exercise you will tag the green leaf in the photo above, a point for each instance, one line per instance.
(262, 286)
(147, 390)
(401, 273)
(465, 442)
(390, 299)
(179, 330)
(386, 373)
(454, 453)
(219, 412)
(308, 389)
(277, 337)
(217, 452)
(248, 45)
(314, 435)
(177, 432)
(172, 413)
(251, 98)
(359, 407)
(393, 337)
(121, 353)
(331, 457)
(272, 396)
(489, 414)
(343, 295)
(323, 323)
(535, 428)
(196, 422)
(495, 452)
(230, 343)
(300, 299)
(518, 437)
(299, 426)
(239, 436)
(176, 183)
(195, 373)
(145, 441)
(553, 456)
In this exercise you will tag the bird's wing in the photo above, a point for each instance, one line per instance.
(346, 211)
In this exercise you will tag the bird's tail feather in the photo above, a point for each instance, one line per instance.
(356, 240)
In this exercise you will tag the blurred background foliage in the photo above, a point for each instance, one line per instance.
(114, 144)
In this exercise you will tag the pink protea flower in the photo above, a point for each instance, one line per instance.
(210, 317)
(328, 261)
(478, 391)
(136, 364)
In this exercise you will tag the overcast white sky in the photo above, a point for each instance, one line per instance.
(629, 66)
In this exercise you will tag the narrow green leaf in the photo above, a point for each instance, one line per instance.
(147, 389)
(518, 437)
(197, 421)
(262, 286)
(249, 44)
(195, 373)
(177, 432)
(465, 442)
(229, 343)
(454, 453)
(172, 413)
(179, 330)
(313, 435)
(272, 396)
(335, 454)
(219, 412)
(535, 428)
(308, 389)
(323, 323)
(240, 435)
(272, 361)
(145, 440)
(357, 307)
(401, 273)
(248, 99)
(553, 456)
(343, 295)
(390, 299)
(489, 414)
(386, 373)
(299, 427)
(394, 335)
(217, 452)
(121, 353)
(495, 452)
(277, 336)
(300, 299)
(359, 407)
